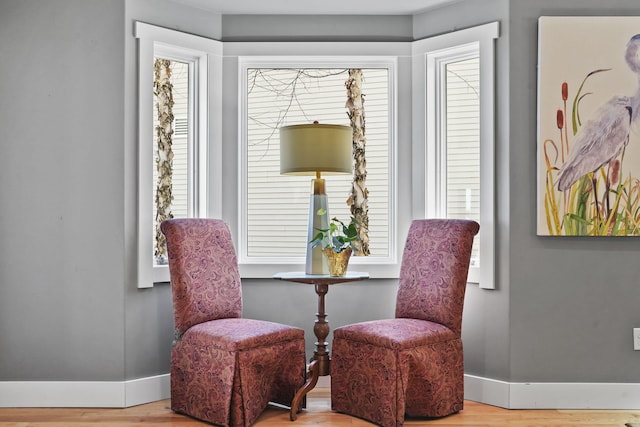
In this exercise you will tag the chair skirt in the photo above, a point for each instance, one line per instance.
(379, 379)
(231, 384)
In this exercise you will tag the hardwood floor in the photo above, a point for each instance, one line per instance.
(318, 413)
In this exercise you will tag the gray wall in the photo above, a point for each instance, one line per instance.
(69, 308)
(565, 307)
(316, 28)
(61, 179)
(573, 301)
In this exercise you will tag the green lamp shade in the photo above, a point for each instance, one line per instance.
(311, 148)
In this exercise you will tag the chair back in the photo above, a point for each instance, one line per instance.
(434, 270)
(205, 281)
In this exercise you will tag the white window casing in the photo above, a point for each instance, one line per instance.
(429, 56)
(204, 57)
(418, 191)
(262, 264)
(325, 55)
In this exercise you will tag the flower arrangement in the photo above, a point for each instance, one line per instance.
(338, 236)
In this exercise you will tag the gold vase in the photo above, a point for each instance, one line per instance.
(337, 261)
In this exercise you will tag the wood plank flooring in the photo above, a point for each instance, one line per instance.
(318, 413)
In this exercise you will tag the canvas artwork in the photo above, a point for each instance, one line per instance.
(588, 144)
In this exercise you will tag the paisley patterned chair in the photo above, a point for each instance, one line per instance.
(225, 369)
(411, 365)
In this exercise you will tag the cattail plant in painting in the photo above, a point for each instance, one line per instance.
(586, 189)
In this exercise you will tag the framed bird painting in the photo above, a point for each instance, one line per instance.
(588, 145)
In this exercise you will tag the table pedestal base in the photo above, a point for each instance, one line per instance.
(319, 364)
(312, 379)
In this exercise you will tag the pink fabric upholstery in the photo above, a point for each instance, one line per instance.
(204, 271)
(225, 369)
(413, 364)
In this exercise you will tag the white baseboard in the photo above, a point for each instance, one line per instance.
(122, 394)
(612, 396)
(486, 390)
(145, 390)
(83, 394)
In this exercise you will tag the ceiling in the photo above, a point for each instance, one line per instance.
(316, 7)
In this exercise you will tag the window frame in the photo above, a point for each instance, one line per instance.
(205, 134)
(332, 55)
(436, 131)
(428, 54)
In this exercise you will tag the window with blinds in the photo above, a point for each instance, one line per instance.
(461, 142)
(277, 206)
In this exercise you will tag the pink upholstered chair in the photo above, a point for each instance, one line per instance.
(225, 369)
(411, 365)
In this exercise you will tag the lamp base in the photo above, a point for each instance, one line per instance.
(316, 262)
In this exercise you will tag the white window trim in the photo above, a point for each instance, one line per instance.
(425, 58)
(334, 55)
(207, 54)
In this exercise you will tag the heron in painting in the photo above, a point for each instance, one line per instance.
(603, 138)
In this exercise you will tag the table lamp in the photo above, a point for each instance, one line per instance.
(313, 149)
